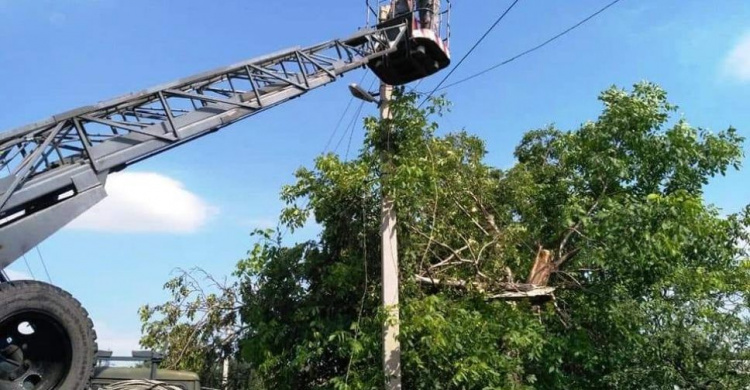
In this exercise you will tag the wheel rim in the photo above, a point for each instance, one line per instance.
(35, 352)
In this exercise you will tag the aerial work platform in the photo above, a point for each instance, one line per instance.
(427, 47)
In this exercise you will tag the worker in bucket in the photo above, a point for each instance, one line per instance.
(429, 14)
(403, 7)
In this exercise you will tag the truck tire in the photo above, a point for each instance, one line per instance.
(47, 340)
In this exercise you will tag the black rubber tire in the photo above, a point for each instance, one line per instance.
(25, 296)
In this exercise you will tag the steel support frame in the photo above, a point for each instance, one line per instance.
(43, 161)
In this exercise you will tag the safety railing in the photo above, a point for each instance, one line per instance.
(419, 13)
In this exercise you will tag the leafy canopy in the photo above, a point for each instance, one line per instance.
(651, 282)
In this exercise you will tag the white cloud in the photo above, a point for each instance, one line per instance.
(140, 202)
(737, 64)
(16, 275)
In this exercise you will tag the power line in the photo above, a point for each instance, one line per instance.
(341, 118)
(351, 132)
(28, 267)
(497, 22)
(44, 263)
(351, 125)
(529, 51)
(416, 86)
(367, 282)
(338, 124)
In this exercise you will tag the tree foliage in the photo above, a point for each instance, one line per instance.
(198, 328)
(651, 282)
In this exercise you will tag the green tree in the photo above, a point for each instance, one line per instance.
(651, 283)
(198, 327)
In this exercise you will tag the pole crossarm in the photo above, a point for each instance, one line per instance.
(56, 160)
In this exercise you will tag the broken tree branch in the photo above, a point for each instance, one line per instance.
(510, 291)
(542, 269)
(537, 293)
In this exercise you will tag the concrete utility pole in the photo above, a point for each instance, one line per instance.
(225, 374)
(389, 257)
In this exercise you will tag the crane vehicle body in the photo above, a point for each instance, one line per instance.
(106, 375)
(54, 170)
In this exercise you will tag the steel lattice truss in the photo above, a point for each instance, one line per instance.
(52, 171)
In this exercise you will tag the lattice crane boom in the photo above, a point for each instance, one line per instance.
(54, 170)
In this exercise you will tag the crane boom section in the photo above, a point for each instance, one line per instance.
(54, 170)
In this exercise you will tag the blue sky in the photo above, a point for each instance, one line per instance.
(57, 55)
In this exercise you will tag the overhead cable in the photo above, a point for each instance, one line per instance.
(479, 41)
(531, 50)
(353, 123)
(341, 118)
(28, 267)
(44, 263)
